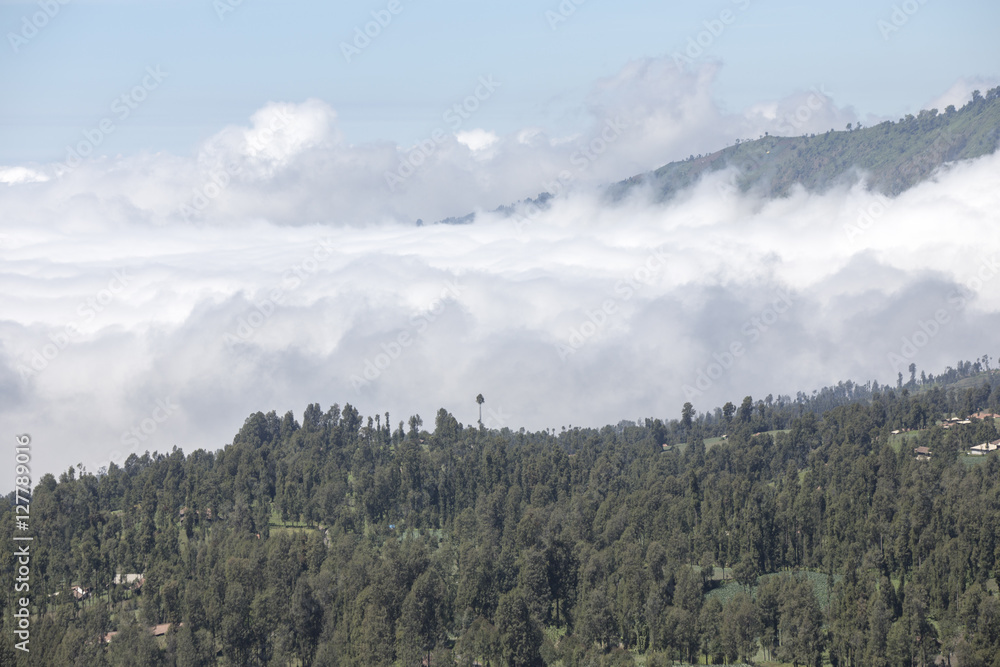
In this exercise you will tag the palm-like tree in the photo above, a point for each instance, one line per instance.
(480, 400)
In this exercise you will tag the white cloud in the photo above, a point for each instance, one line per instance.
(18, 175)
(477, 140)
(290, 165)
(296, 279)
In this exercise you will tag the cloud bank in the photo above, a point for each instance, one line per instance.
(155, 301)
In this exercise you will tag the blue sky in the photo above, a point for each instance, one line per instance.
(63, 80)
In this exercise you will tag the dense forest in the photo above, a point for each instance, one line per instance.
(892, 156)
(802, 531)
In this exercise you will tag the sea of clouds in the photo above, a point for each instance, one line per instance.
(154, 300)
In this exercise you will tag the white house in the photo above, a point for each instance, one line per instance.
(985, 448)
(129, 579)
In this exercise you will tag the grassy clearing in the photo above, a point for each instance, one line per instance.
(292, 530)
(726, 592)
(899, 439)
(712, 442)
(820, 584)
(275, 522)
(972, 460)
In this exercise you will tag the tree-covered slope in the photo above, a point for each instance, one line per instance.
(809, 533)
(892, 156)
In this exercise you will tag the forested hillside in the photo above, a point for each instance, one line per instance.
(798, 530)
(892, 156)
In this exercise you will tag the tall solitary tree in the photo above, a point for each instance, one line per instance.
(687, 415)
(480, 400)
(415, 423)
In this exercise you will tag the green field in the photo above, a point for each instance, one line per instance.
(973, 460)
(896, 441)
(712, 442)
(820, 583)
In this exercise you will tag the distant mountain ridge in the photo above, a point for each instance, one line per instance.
(894, 156)
(891, 156)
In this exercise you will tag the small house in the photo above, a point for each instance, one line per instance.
(160, 630)
(132, 580)
(985, 448)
